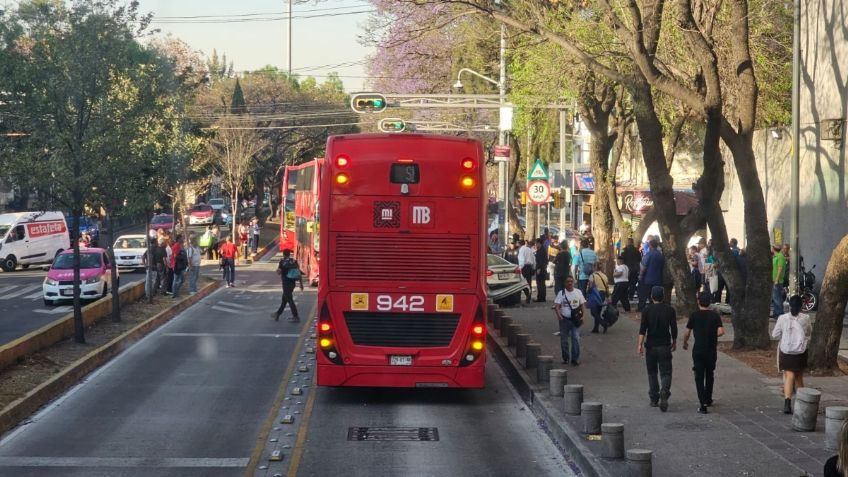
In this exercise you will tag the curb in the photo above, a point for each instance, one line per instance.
(24, 407)
(568, 439)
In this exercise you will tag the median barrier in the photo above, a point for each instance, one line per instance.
(63, 328)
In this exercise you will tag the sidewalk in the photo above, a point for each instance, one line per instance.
(745, 433)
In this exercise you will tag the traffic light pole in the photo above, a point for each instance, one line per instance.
(503, 166)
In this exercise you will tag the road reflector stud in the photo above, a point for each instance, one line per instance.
(303, 369)
(313, 336)
(310, 350)
(276, 456)
(287, 419)
(275, 440)
(263, 467)
(297, 392)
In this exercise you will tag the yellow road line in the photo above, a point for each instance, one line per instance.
(262, 440)
(300, 442)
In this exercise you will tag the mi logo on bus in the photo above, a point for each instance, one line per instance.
(422, 215)
(386, 214)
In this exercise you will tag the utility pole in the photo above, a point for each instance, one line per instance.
(794, 255)
(562, 188)
(290, 38)
(503, 185)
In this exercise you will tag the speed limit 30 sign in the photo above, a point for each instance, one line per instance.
(538, 192)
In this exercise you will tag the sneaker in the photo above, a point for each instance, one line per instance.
(663, 403)
(709, 403)
(556, 333)
(575, 363)
(275, 317)
(654, 404)
(565, 361)
(703, 409)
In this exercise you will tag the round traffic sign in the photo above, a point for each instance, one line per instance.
(538, 192)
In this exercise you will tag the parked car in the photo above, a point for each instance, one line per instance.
(223, 216)
(201, 214)
(131, 251)
(504, 281)
(95, 276)
(31, 237)
(217, 203)
(86, 225)
(162, 221)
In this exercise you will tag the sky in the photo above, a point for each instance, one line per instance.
(320, 45)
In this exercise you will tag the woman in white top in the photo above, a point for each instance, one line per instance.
(793, 329)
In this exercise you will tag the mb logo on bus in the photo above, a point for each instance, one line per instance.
(422, 215)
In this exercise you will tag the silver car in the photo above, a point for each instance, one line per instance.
(504, 280)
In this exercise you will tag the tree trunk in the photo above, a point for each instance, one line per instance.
(150, 265)
(79, 327)
(602, 218)
(512, 216)
(113, 269)
(827, 331)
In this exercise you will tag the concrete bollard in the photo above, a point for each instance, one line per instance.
(573, 398)
(613, 437)
(505, 322)
(543, 368)
(639, 463)
(531, 360)
(491, 308)
(521, 340)
(835, 418)
(806, 409)
(593, 416)
(511, 332)
(496, 318)
(559, 378)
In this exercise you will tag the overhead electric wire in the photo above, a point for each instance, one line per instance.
(292, 127)
(258, 19)
(231, 15)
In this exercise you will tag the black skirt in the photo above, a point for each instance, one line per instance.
(792, 362)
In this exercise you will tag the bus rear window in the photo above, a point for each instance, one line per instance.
(405, 174)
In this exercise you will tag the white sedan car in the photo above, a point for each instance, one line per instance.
(131, 251)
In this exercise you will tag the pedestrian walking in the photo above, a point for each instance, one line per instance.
(778, 267)
(695, 267)
(180, 266)
(255, 229)
(657, 342)
(586, 260)
(562, 268)
(243, 234)
(216, 242)
(621, 284)
(290, 274)
(598, 292)
(511, 253)
(229, 252)
(205, 242)
(527, 264)
(194, 260)
(160, 260)
(541, 271)
(651, 273)
(793, 329)
(632, 258)
(837, 465)
(570, 308)
(174, 247)
(706, 326)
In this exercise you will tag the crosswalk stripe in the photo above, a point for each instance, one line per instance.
(7, 288)
(55, 311)
(20, 292)
(37, 294)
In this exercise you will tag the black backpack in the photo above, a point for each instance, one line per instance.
(181, 263)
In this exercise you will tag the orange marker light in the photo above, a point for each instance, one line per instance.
(468, 164)
(342, 179)
(477, 345)
(325, 327)
(477, 330)
(467, 182)
(325, 343)
(405, 161)
(342, 161)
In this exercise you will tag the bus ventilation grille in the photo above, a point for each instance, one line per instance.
(402, 330)
(404, 258)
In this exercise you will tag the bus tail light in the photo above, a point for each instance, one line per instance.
(468, 164)
(342, 178)
(467, 182)
(326, 338)
(342, 161)
(477, 340)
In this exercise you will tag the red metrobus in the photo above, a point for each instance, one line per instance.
(402, 299)
(299, 219)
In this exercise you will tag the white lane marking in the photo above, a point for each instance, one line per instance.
(234, 305)
(227, 310)
(235, 335)
(21, 292)
(144, 462)
(35, 295)
(55, 311)
(7, 288)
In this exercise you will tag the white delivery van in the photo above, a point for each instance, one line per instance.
(31, 237)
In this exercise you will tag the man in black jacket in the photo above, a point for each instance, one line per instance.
(541, 270)
(632, 258)
(657, 340)
(562, 268)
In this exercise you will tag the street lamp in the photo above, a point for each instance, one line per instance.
(458, 84)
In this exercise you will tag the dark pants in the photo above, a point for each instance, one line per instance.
(619, 294)
(644, 295)
(596, 313)
(704, 364)
(541, 286)
(169, 281)
(658, 359)
(567, 331)
(527, 272)
(717, 293)
(229, 270)
(288, 298)
(697, 279)
(178, 282)
(634, 279)
(582, 285)
(160, 278)
(559, 284)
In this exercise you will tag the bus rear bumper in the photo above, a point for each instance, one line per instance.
(395, 377)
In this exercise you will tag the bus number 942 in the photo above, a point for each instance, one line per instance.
(403, 303)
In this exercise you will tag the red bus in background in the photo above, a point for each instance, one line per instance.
(402, 297)
(299, 220)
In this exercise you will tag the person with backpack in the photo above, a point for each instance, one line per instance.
(706, 325)
(793, 329)
(570, 308)
(290, 274)
(586, 260)
(180, 265)
(596, 298)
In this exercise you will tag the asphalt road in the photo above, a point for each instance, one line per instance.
(485, 432)
(190, 399)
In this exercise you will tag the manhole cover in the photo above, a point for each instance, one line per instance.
(688, 426)
(392, 434)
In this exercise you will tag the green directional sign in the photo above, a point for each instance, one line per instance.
(537, 172)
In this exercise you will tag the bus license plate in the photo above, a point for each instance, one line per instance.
(400, 360)
(504, 276)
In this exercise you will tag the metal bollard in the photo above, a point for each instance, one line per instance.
(505, 322)
(835, 418)
(533, 352)
(559, 378)
(496, 318)
(511, 332)
(573, 398)
(521, 340)
(593, 416)
(543, 368)
(639, 462)
(806, 409)
(613, 437)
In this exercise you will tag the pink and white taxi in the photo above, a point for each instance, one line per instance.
(95, 276)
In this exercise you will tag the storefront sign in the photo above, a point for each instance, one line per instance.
(636, 202)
